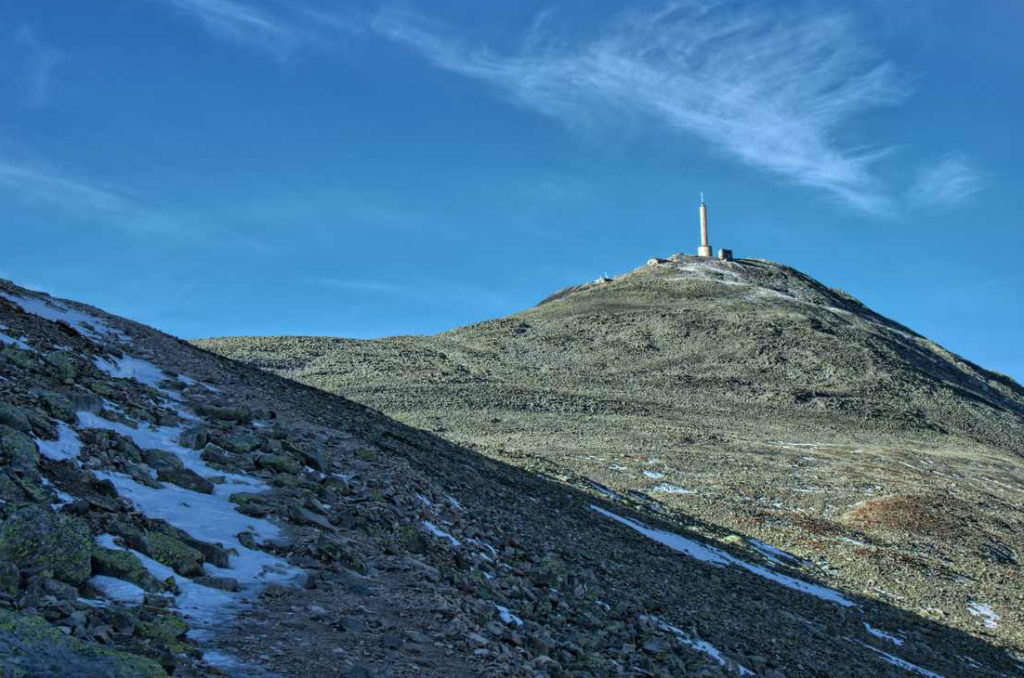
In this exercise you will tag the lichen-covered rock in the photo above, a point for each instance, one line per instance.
(309, 455)
(17, 450)
(188, 479)
(103, 389)
(172, 552)
(223, 583)
(35, 537)
(29, 647)
(10, 578)
(15, 417)
(251, 504)
(161, 459)
(168, 630)
(235, 414)
(62, 364)
(15, 356)
(193, 438)
(123, 565)
(10, 491)
(240, 443)
(59, 407)
(278, 463)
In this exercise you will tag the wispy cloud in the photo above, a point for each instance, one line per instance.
(356, 285)
(771, 86)
(39, 63)
(428, 291)
(279, 27)
(46, 185)
(240, 21)
(100, 203)
(945, 184)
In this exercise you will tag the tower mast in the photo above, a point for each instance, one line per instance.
(705, 247)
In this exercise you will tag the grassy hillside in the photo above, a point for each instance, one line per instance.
(744, 394)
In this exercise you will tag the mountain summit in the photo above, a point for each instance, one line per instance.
(168, 511)
(740, 394)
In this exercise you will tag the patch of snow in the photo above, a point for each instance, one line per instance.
(701, 646)
(878, 633)
(453, 502)
(67, 446)
(202, 606)
(485, 545)
(654, 475)
(426, 502)
(118, 590)
(129, 367)
(438, 532)
(87, 324)
(62, 497)
(208, 517)
(902, 663)
(616, 467)
(211, 518)
(982, 610)
(166, 438)
(507, 617)
(714, 556)
(668, 488)
(608, 492)
(776, 555)
(13, 341)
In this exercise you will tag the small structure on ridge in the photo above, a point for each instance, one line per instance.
(705, 244)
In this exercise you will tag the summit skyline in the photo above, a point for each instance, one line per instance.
(368, 169)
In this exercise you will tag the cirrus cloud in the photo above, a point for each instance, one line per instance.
(774, 88)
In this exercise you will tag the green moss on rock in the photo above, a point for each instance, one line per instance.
(10, 578)
(34, 537)
(17, 450)
(174, 553)
(29, 647)
(168, 631)
(15, 417)
(123, 565)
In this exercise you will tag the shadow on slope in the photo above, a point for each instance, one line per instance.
(763, 625)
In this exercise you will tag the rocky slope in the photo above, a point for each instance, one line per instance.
(746, 402)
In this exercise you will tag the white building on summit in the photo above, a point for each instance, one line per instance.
(705, 244)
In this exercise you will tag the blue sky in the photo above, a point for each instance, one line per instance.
(218, 167)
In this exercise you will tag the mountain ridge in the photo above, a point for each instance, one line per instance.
(168, 510)
(744, 394)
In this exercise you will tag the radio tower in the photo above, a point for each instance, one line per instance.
(705, 247)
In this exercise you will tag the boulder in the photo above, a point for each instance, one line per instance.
(62, 364)
(170, 551)
(10, 578)
(123, 565)
(33, 647)
(193, 438)
(236, 414)
(239, 443)
(161, 459)
(17, 450)
(310, 456)
(37, 537)
(59, 407)
(279, 463)
(213, 454)
(223, 583)
(15, 417)
(186, 478)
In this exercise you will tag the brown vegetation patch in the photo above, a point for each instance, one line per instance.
(933, 515)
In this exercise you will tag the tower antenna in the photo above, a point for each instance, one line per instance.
(702, 196)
